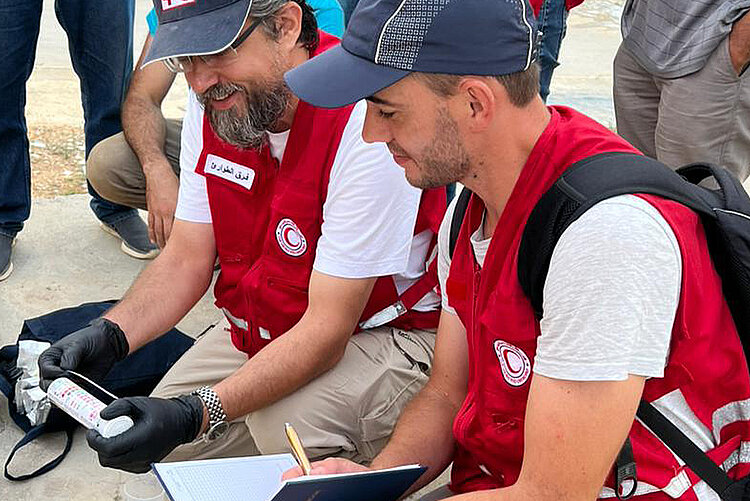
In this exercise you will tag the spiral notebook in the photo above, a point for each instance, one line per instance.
(258, 478)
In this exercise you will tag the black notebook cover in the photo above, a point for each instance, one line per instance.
(380, 485)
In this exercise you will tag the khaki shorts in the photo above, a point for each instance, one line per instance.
(349, 411)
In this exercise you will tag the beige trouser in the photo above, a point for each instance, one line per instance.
(115, 172)
(438, 494)
(349, 411)
(701, 117)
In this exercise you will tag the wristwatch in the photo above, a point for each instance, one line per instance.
(217, 418)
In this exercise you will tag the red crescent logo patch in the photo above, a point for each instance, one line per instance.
(290, 238)
(514, 363)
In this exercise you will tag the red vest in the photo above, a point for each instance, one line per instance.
(267, 220)
(500, 323)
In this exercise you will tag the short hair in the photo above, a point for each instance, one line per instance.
(308, 36)
(521, 86)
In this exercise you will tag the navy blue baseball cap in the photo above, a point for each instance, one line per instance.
(388, 39)
(196, 27)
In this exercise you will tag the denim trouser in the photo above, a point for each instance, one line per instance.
(100, 41)
(552, 21)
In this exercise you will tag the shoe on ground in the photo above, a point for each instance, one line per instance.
(133, 233)
(6, 251)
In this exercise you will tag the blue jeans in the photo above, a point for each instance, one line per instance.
(552, 21)
(100, 41)
(348, 7)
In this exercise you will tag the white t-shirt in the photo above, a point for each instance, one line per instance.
(611, 293)
(368, 216)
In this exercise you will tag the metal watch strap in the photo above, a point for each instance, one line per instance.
(216, 412)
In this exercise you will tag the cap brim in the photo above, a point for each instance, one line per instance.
(338, 78)
(198, 35)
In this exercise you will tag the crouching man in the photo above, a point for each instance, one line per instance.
(318, 235)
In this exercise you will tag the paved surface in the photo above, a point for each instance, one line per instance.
(63, 258)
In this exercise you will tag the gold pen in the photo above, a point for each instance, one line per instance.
(297, 450)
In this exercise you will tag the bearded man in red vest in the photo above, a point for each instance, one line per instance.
(529, 410)
(318, 236)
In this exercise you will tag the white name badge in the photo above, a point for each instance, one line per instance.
(226, 169)
(173, 4)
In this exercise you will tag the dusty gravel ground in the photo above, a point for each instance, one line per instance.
(57, 159)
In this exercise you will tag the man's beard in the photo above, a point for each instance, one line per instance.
(246, 128)
(444, 160)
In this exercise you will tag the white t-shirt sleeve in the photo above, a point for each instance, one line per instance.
(370, 210)
(192, 201)
(611, 295)
(443, 257)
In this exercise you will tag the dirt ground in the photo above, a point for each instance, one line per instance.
(55, 127)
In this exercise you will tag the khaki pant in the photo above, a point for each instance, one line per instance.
(115, 172)
(349, 411)
(438, 494)
(701, 117)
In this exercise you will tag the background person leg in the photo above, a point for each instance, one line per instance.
(552, 25)
(705, 117)
(100, 40)
(636, 100)
(19, 30)
(114, 171)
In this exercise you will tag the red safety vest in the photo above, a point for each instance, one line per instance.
(267, 220)
(706, 373)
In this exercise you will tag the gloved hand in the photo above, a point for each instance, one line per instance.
(160, 425)
(92, 351)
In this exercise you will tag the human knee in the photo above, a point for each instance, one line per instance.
(105, 163)
(267, 430)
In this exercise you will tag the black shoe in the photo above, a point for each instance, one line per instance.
(134, 235)
(6, 250)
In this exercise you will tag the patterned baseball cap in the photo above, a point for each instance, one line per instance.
(196, 27)
(388, 39)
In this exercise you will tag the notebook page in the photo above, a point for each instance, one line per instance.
(233, 479)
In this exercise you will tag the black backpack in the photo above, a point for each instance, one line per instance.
(725, 215)
(137, 374)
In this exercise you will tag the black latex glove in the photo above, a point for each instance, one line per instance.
(160, 426)
(91, 351)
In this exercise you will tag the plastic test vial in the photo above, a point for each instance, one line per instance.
(85, 408)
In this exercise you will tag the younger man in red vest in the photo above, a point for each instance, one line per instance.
(318, 235)
(632, 304)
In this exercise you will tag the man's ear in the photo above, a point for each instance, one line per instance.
(288, 21)
(478, 101)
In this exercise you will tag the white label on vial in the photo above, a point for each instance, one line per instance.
(76, 401)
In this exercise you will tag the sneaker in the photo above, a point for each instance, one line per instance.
(6, 250)
(134, 235)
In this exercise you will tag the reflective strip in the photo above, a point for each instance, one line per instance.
(674, 489)
(264, 333)
(238, 322)
(730, 413)
(485, 470)
(704, 492)
(742, 455)
(387, 314)
(676, 409)
(642, 489)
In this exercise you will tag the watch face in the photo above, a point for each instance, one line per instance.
(217, 430)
